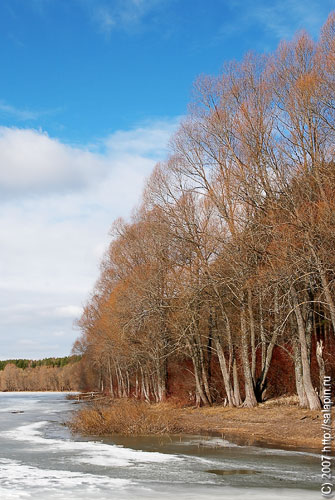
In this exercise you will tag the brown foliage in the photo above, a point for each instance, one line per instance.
(126, 417)
(42, 378)
(230, 257)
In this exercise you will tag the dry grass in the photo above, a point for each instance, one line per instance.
(278, 422)
(282, 401)
(126, 417)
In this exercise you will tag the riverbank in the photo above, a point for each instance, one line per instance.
(283, 427)
(279, 423)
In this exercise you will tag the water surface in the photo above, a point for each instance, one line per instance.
(40, 459)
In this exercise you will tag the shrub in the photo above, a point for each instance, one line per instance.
(126, 417)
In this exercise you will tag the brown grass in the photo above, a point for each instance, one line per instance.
(282, 401)
(126, 417)
(280, 422)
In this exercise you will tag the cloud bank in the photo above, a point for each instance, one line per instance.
(58, 202)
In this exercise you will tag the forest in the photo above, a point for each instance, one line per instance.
(221, 287)
(48, 374)
(32, 363)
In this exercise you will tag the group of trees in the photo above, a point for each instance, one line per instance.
(32, 363)
(51, 374)
(229, 260)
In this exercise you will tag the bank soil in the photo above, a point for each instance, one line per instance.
(285, 427)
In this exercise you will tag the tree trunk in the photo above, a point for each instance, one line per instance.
(262, 333)
(144, 389)
(252, 336)
(202, 397)
(329, 298)
(128, 384)
(325, 285)
(250, 398)
(237, 395)
(111, 388)
(312, 397)
(136, 386)
(224, 371)
(203, 371)
(321, 363)
(299, 383)
(262, 380)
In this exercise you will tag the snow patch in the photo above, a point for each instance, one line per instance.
(24, 481)
(88, 452)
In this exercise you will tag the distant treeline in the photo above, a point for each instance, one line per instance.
(49, 374)
(30, 363)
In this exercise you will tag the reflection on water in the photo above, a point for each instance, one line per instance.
(40, 459)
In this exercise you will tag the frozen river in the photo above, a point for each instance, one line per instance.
(40, 459)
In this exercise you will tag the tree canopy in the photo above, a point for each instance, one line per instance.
(226, 270)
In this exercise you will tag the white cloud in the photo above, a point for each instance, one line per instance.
(126, 15)
(59, 333)
(20, 114)
(31, 161)
(145, 140)
(68, 311)
(104, 19)
(280, 19)
(23, 114)
(284, 18)
(56, 208)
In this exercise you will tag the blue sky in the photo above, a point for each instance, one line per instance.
(83, 68)
(90, 92)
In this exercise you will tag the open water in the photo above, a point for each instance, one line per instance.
(40, 459)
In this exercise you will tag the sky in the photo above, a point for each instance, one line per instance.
(90, 93)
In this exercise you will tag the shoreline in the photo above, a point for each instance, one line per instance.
(289, 428)
(274, 425)
(241, 439)
(40, 392)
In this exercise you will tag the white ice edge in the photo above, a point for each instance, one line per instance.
(20, 481)
(26, 476)
(89, 452)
